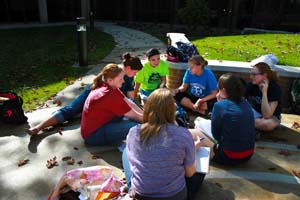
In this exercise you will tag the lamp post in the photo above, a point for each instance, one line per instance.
(92, 14)
(82, 41)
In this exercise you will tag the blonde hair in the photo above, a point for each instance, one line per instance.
(265, 68)
(109, 71)
(159, 110)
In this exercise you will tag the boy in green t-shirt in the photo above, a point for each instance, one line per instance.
(152, 76)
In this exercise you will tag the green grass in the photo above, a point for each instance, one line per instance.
(248, 47)
(37, 62)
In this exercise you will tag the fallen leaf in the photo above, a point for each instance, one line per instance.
(285, 152)
(59, 130)
(57, 102)
(296, 173)
(80, 162)
(295, 125)
(66, 158)
(52, 163)
(94, 157)
(219, 185)
(23, 162)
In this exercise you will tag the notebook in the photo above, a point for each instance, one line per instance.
(202, 160)
(204, 125)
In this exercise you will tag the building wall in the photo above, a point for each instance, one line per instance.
(18, 11)
(267, 14)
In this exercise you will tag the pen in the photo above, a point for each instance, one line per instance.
(201, 139)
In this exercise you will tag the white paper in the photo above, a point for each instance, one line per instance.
(204, 125)
(202, 160)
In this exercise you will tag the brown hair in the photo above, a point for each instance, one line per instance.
(198, 60)
(233, 85)
(133, 61)
(265, 68)
(159, 110)
(109, 71)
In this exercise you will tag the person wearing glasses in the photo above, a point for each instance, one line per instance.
(264, 94)
(103, 113)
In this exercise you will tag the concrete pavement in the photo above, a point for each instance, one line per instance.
(269, 175)
(34, 180)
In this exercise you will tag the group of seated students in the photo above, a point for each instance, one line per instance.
(159, 158)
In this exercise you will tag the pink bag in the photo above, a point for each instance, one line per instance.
(91, 182)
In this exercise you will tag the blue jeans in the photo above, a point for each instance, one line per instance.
(73, 108)
(192, 183)
(144, 94)
(126, 168)
(112, 132)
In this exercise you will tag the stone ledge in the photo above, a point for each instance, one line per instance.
(240, 67)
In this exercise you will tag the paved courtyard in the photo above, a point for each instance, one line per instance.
(270, 174)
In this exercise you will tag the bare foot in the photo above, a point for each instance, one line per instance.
(32, 131)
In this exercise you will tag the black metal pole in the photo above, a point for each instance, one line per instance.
(82, 41)
(92, 14)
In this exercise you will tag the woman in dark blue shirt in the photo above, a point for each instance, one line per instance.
(232, 123)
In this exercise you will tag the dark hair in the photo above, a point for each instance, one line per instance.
(198, 60)
(152, 52)
(133, 61)
(233, 85)
(265, 68)
(109, 71)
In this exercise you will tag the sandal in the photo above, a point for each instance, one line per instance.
(32, 131)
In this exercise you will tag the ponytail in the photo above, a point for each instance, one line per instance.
(97, 81)
(109, 71)
(133, 61)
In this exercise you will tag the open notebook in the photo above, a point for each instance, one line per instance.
(204, 125)
(202, 160)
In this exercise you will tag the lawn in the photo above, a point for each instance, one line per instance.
(218, 44)
(248, 47)
(38, 62)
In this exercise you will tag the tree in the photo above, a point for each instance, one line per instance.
(194, 14)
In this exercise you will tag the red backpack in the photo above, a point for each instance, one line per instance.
(11, 108)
